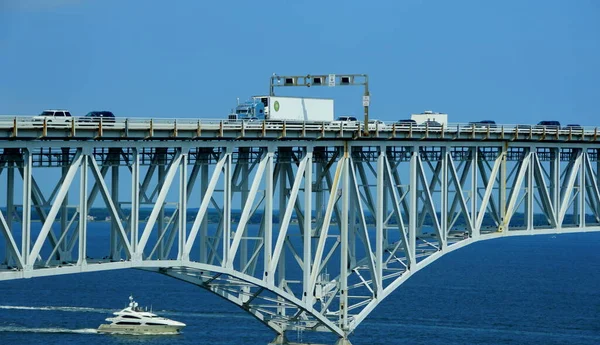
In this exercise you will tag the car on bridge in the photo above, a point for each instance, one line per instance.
(98, 116)
(552, 125)
(54, 116)
(483, 124)
(574, 128)
(406, 123)
(374, 125)
(522, 126)
(345, 121)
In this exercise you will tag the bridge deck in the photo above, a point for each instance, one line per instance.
(30, 128)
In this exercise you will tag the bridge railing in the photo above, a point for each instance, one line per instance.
(10, 122)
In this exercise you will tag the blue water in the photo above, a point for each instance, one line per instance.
(527, 290)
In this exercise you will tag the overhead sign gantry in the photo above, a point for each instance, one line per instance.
(329, 80)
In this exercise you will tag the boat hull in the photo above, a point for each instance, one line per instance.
(141, 329)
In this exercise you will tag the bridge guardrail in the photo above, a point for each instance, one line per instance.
(11, 122)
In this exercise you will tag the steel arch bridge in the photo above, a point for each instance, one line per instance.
(305, 226)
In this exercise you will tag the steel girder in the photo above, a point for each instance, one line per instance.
(304, 235)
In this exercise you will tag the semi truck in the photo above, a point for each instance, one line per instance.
(430, 116)
(278, 108)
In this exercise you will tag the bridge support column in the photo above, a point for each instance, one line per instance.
(204, 223)
(245, 192)
(503, 179)
(307, 252)
(412, 215)
(474, 179)
(114, 194)
(83, 211)
(318, 185)
(10, 206)
(183, 197)
(135, 201)
(160, 220)
(26, 217)
(379, 221)
(444, 197)
(283, 200)
(344, 265)
(529, 191)
(63, 251)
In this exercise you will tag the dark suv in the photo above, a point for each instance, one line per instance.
(483, 124)
(98, 116)
(406, 123)
(553, 125)
(573, 127)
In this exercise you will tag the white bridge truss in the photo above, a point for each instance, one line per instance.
(303, 234)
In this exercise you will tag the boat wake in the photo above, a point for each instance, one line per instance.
(47, 330)
(207, 314)
(51, 308)
(145, 334)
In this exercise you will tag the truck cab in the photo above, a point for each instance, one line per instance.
(251, 110)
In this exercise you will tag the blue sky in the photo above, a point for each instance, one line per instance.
(511, 61)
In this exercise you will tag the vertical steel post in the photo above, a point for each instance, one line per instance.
(582, 189)
(114, 195)
(227, 208)
(474, 190)
(268, 217)
(379, 218)
(319, 198)
(83, 211)
(26, 221)
(281, 266)
(503, 177)
(135, 202)
(444, 198)
(64, 214)
(245, 162)
(182, 235)
(204, 224)
(10, 196)
(576, 210)
(307, 255)
(555, 178)
(529, 185)
(160, 221)
(352, 214)
(385, 198)
(344, 239)
(412, 217)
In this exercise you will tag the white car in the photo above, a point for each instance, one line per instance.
(345, 121)
(375, 125)
(54, 116)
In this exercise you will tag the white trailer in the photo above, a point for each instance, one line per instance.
(429, 115)
(278, 108)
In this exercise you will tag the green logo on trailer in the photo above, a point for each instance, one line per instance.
(276, 106)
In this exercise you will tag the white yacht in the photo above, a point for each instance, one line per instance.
(134, 320)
